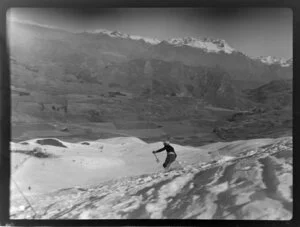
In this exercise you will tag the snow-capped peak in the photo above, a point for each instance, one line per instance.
(269, 60)
(207, 44)
(146, 39)
(117, 34)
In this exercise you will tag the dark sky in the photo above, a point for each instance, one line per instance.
(255, 32)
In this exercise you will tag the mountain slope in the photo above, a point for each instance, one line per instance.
(271, 117)
(157, 77)
(238, 65)
(95, 51)
(277, 93)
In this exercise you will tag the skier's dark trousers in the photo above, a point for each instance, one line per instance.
(171, 155)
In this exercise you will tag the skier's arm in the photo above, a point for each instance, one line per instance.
(160, 150)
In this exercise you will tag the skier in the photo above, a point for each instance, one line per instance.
(171, 155)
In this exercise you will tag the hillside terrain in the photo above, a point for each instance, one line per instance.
(249, 179)
(271, 117)
(205, 109)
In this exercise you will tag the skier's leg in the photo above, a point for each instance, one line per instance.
(167, 161)
(170, 158)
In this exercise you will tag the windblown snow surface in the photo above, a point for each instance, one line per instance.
(119, 179)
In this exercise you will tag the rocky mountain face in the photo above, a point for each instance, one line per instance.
(238, 65)
(156, 77)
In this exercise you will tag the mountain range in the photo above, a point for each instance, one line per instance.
(100, 48)
(57, 61)
(206, 44)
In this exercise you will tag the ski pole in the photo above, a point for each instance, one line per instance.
(157, 160)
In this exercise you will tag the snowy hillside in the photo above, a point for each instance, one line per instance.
(119, 178)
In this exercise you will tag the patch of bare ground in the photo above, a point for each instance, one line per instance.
(51, 142)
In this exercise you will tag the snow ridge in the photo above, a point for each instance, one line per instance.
(117, 34)
(269, 60)
(146, 39)
(207, 44)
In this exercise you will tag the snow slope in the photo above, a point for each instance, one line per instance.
(81, 164)
(235, 180)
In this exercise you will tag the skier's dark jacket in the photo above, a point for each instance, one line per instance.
(168, 148)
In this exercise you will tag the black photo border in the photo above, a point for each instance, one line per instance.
(5, 102)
